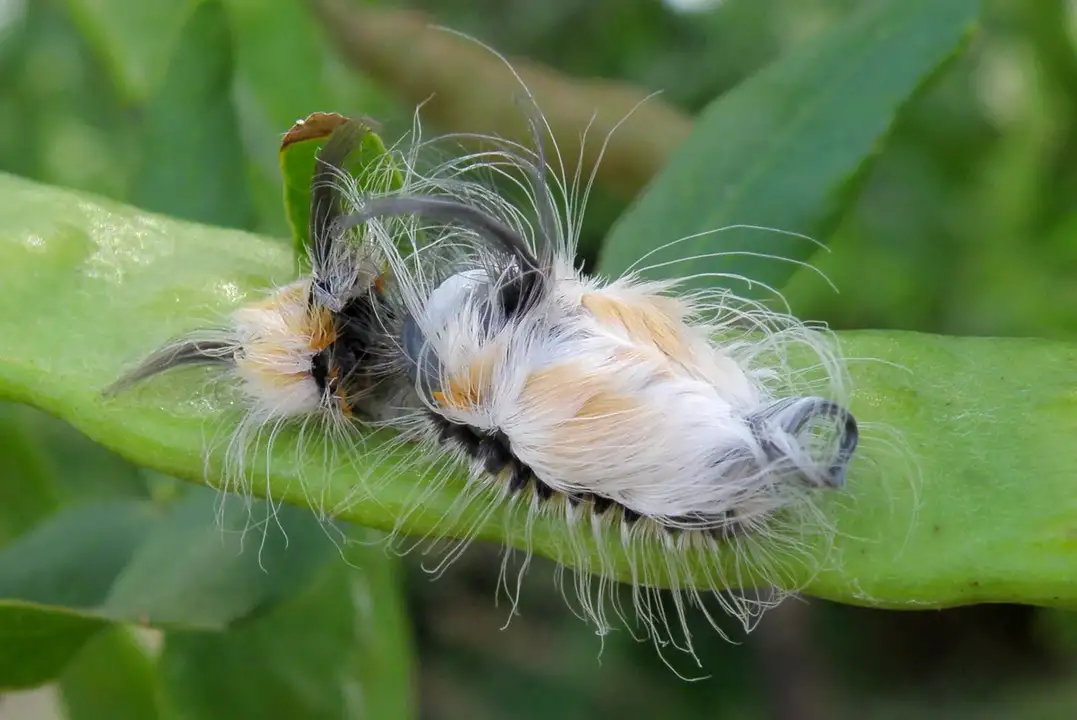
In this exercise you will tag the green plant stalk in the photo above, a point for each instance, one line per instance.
(88, 286)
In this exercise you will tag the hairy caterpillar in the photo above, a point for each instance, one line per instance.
(457, 318)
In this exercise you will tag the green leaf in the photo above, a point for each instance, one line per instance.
(51, 581)
(189, 568)
(284, 70)
(207, 566)
(192, 160)
(36, 643)
(988, 423)
(112, 677)
(28, 491)
(81, 470)
(135, 38)
(128, 561)
(785, 148)
(315, 655)
(382, 626)
(72, 559)
(47, 464)
(279, 60)
(298, 150)
(368, 163)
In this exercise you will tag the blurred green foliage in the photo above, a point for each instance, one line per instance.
(964, 226)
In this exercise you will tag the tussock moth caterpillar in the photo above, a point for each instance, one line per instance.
(458, 318)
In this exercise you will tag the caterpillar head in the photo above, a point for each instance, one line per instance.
(309, 347)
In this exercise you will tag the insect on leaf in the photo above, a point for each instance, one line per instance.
(988, 423)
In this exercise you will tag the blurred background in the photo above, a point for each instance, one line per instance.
(966, 225)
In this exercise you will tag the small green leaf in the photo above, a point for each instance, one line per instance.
(339, 648)
(192, 160)
(284, 70)
(113, 677)
(37, 642)
(47, 463)
(128, 561)
(53, 578)
(72, 559)
(368, 163)
(28, 492)
(298, 150)
(83, 471)
(216, 559)
(987, 424)
(784, 148)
